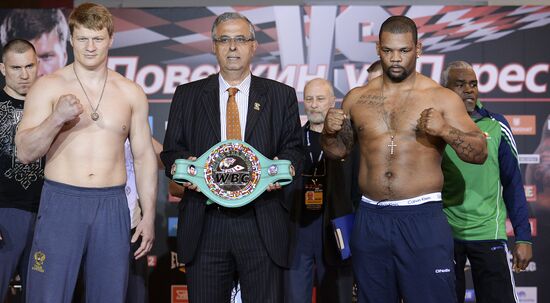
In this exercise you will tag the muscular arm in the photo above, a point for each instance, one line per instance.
(40, 123)
(456, 128)
(469, 146)
(338, 145)
(338, 136)
(145, 164)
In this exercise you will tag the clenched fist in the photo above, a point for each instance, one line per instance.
(68, 108)
(431, 122)
(334, 121)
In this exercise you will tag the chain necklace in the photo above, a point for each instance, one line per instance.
(392, 143)
(94, 115)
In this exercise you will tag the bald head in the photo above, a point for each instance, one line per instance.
(320, 82)
(318, 99)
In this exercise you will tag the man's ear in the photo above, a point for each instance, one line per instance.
(418, 49)
(3, 69)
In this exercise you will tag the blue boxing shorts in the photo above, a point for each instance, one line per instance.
(80, 226)
(403, 250)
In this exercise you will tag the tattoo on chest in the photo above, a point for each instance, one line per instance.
(378, 104)
(371, 99)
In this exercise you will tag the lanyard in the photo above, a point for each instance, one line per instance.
(311, 154)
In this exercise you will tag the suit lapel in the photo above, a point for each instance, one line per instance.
(256, 104)
(211, 104)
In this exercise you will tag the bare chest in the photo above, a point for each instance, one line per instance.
(376, 114)
(110, 116)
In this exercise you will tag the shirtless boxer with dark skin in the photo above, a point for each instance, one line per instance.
(402, 121)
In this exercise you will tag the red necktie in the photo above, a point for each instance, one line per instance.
(233, 125)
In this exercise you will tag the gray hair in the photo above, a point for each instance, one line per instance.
(232, 16)
(453, 65)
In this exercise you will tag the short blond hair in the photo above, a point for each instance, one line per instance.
(91, 16)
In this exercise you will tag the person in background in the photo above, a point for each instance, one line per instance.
(20, 184)
(46, 29)
(477, 199)
(319, 196)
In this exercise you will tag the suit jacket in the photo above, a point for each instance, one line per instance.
(341, 197)
(273, 129)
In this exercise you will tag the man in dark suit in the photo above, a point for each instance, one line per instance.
(251, 242)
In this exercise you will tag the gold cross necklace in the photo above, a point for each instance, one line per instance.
(392, 137)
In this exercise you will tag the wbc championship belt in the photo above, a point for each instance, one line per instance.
(232, 173)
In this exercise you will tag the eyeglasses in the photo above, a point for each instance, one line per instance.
(238, 40)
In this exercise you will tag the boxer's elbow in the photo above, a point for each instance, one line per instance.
(483, 154)
(477, 155)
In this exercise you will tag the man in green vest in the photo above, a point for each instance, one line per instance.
(477, 199)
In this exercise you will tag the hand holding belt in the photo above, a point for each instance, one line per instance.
(232, 173)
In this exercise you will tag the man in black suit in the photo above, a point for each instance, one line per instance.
(251, 242)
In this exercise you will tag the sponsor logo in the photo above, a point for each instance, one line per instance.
(152, 261)
(179, 294)
(39, 259)
(527, 294)
(495, 248)
(232, 171)
(529, 158)
(530, 193)
(510, 228)
(442, 270)
(174, 263)
(522, 124)
(172, 226)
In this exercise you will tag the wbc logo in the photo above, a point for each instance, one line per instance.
(232, 171)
